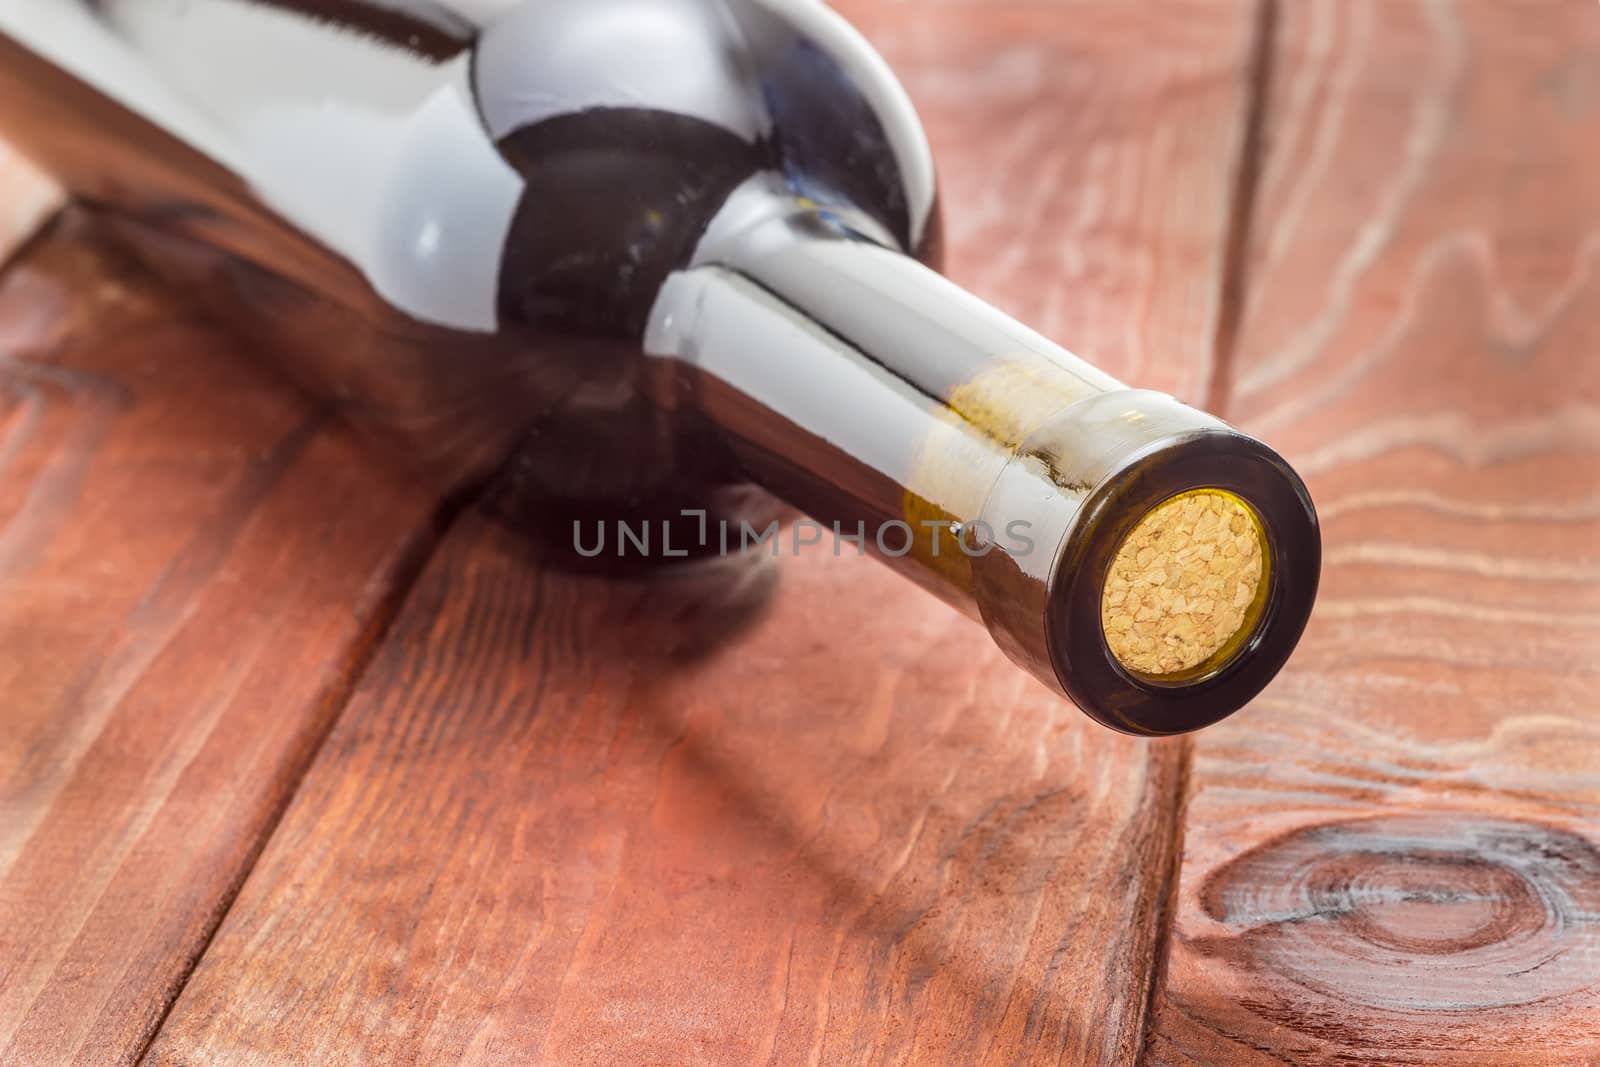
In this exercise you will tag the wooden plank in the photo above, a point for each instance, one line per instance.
(1394, 856)
(189, 569)
(571, 823)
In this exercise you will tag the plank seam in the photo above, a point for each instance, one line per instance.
(1167, 901)
(1236, 249)
(413, 559)
(1233, 290)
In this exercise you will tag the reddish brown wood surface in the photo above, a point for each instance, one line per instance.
(189, 568)
(850, 832)
(1394, 855)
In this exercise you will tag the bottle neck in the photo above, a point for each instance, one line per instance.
(986, 463)
(863, 387)
(885, 402)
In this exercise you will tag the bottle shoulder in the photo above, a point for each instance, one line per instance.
(500, 162)
(634, 123)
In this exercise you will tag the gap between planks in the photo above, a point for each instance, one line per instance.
(1233, 290)
(413, 561)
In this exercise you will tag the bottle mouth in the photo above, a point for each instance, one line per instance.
(1161, 671)
(1185, 562)
(1187, 588)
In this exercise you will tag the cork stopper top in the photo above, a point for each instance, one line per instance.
(1186, 587)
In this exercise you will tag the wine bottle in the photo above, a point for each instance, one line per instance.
(654, 260)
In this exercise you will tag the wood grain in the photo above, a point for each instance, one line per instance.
(1394, 856)
(189, 568)
(705, 822)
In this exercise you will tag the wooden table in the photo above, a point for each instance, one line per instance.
(296, 767)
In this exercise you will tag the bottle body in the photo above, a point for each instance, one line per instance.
(457, 231)
(636, 259)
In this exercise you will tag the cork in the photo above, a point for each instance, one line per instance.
(1183, 587)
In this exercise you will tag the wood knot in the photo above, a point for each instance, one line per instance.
(1416, 913)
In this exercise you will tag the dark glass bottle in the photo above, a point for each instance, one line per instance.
(632, 259)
